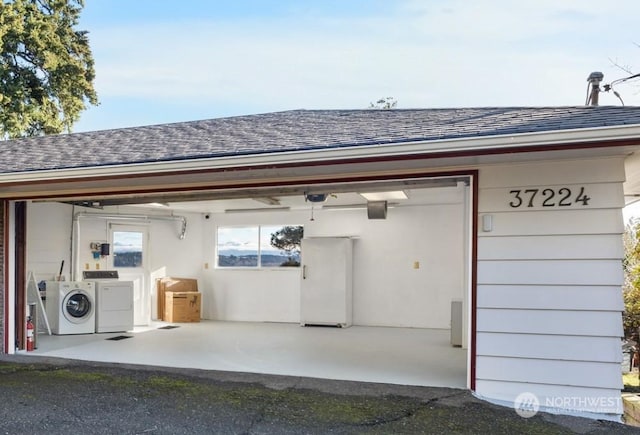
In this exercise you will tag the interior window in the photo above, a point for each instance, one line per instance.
(280, 245)
(238, 246)
(127, 249)
(259, 246)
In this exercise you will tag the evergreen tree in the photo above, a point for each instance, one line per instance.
(46, 67)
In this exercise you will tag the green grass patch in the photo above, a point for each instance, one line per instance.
(6, 368)
(167, 383)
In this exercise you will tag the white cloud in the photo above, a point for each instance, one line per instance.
(426, 54)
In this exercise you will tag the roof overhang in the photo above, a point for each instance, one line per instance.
(318, 165)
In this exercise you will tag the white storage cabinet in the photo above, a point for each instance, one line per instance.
(326, 289)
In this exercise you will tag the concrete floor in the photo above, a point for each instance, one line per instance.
(405, 356)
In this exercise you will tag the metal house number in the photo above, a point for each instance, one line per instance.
(560, 197)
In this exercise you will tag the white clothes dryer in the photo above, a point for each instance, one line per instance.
(70, 307)
(114, 301)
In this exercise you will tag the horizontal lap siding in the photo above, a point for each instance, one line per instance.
(558, 222)
(534, 199)
(606, 170)
(553, 372)
(553, 347)
(560, 247)
(550, 297)
(549, 302)
(551, 395)
(550, 272)
(549, 322)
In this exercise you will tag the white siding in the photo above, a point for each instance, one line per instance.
(548, 297)
(601, 196)
(557, 222)
(593, 171)
(572, 247)
(553, 347)
(550, 272)
(553, 372)
(550, 322)
(553, 397)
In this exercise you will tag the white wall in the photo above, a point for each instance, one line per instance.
(49, 242)
(48, 239)
(387, 289)
(270, 295)
(548, 297)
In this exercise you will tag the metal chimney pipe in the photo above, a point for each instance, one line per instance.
(594, 79)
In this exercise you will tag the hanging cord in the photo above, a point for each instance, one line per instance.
(609, 87)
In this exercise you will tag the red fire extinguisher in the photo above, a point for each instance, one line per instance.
(30, 331)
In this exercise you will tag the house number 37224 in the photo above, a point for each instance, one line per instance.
(559, 197)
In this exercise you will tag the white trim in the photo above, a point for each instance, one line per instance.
(497, 142)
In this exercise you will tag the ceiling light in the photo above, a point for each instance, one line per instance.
(255, 210)
(151, 204)
(385, 196)
(345, 207)
(268, 200)
(353, 206)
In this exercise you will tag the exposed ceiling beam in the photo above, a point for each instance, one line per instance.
(271, 192)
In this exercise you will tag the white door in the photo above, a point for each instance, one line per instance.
(129, 258)
(325, 293)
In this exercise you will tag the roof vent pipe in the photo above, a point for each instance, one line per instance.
(594, 80)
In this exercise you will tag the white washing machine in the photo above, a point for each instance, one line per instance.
(114, 301)
(70, 307)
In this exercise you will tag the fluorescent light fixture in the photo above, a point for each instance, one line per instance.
(385, 196)
(256, 210)
(151, 204)
(345, 207)
(268, 200)
(353, 206)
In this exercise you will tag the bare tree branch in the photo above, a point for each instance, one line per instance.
(625, 68)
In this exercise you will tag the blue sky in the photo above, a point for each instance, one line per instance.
(160, 61)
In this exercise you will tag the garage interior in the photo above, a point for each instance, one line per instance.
(410, 261)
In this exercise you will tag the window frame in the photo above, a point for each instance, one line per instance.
(259, 250)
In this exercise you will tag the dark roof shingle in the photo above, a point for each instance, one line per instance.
(295, 130)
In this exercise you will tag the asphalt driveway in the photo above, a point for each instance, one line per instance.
(54, 396)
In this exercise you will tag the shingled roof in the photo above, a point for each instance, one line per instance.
(293, 131)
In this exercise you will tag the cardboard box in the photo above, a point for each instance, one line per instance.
(182, 306)
(171, 284)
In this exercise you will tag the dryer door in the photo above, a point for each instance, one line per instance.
(77, 307)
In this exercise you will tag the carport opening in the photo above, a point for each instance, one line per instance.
(410, 272)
